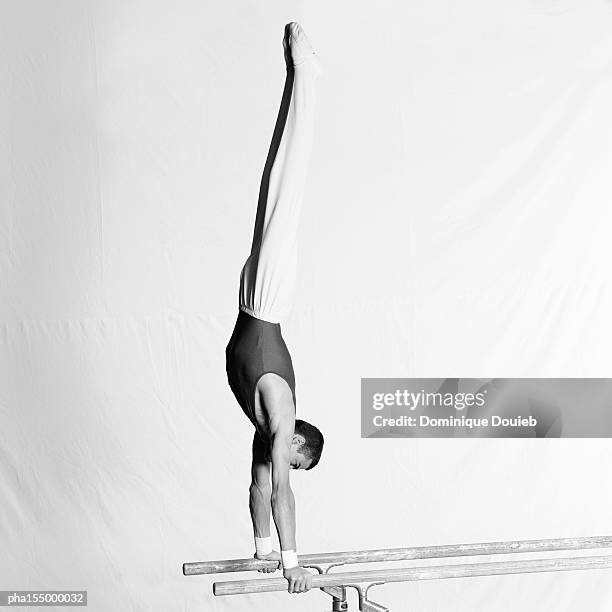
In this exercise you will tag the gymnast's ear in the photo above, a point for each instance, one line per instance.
(298, 440)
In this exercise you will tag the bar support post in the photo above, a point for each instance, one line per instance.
(338, 594)
(339, 605)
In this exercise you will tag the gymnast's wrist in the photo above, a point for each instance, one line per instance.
(263, 546)
(289, 559)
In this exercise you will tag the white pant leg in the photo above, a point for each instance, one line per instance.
(268, 278)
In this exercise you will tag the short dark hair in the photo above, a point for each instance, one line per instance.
(313, 445)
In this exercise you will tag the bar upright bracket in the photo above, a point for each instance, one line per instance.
(365, 604)
(337, 593)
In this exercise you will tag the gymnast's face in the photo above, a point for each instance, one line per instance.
(298, 460)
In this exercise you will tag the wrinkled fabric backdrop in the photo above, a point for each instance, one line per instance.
(457, 223)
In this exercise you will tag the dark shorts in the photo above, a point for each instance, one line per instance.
(256, 348)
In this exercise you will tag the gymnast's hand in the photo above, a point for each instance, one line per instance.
(300, 580)
(273, 556)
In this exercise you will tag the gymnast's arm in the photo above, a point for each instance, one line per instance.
(260, 492)
(281, 419)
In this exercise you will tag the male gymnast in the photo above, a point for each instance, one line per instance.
(258, 364)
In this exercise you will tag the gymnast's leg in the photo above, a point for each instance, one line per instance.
(267, 280)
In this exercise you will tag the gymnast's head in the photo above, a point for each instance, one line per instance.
(306, 447)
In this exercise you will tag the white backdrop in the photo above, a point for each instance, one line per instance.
(457, 223)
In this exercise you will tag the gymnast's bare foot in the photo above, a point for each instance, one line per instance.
(298, 50)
